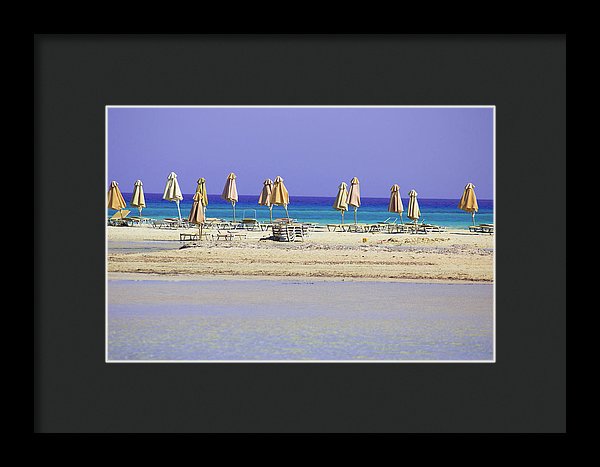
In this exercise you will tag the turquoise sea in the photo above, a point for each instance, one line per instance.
(317, 209)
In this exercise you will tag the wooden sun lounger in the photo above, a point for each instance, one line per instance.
(336, 227)
(482, 228)
(432, 228)
(165, 224)
(183, 237)
(120, 218)
(363, 228)
(228, 235)
(398, 228)
(289, 232)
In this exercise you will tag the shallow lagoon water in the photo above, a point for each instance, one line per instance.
(266, 320)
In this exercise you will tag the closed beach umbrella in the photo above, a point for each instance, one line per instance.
(197, 212)
(395, 204)
(230, 192)
(173, 192)
(280, 195)
(115, 198)
(265, 196)
(354, 196)
(413, 206)
(468, 202)
(341, 200)
(201, 188)
(137, 199)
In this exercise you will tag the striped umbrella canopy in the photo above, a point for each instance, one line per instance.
(265, 196)
(468, 202)
(280, 195)
(230, 191)
(341, 200)
(395, 204)
(173, 192)
(196, 215)
(413, 207)
(201, 188)
(115, 198)
(137, 199)
(354, 196)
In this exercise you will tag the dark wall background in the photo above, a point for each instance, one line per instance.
(76, 76)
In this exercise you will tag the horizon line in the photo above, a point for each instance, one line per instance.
(308, 196)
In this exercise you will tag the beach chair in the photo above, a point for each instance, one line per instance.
(482, 228)
(383, 225)
(398, 228)
(175, 222)
(356, 228)
(250, 224)
(224, 235)
(228, 235)
(289, 232)
(120, 218)
(165, 224)
(187, 237)
(432, 228)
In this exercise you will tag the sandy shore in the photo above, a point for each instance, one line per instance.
(452, 256)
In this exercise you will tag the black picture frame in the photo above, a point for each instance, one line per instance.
(524, 76)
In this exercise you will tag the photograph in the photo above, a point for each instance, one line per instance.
(300, 234)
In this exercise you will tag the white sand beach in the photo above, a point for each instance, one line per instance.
(451, 256)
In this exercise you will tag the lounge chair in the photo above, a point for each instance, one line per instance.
(363, 228)
(120, 218)
(289, 232)
(250, 224)
(228, 235)
(179, 223)
(432, 228)
(399, 228)
(482, 228)
(383, 225)
(184, 237)
(165, 224)
(336, 227)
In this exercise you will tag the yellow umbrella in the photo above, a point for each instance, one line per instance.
(354, 196)
(196, 215)
(413, 207)
(137, 199)
(468, 202)
(115, 198)
(341, 200)
(201, 188)
(280, 195)
(265, 196)
(230, 192)
(395, 204)
(173, 192)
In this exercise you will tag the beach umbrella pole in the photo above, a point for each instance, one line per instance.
(355, 209)
(271, 213)
(178, 211)
(286, 212)
(473, 217)
(342, 216)
(233, 205)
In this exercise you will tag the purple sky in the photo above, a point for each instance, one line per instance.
(435, 151)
